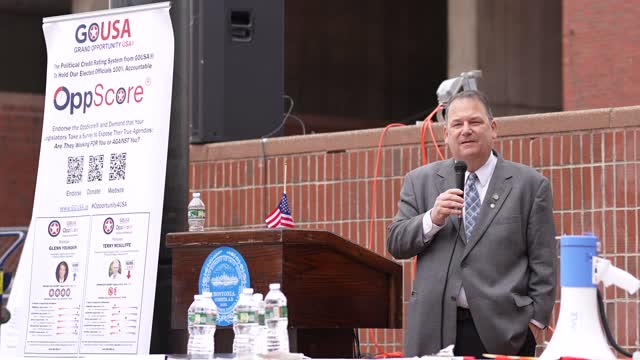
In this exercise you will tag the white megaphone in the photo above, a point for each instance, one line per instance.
(579, 331)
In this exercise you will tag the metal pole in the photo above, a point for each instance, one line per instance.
(174, 212)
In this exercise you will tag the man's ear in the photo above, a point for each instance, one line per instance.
(494, 129)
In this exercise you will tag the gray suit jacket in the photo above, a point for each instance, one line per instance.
(507, 268)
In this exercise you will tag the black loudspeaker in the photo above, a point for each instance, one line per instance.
(237, 71)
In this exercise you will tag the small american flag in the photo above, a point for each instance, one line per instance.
(281, 216)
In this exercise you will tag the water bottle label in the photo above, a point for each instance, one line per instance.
(271, 313)
(261, 318)
(202, 318)
(197, 318)
(195, 214)
(247, 317)
(276, 312)
(211, 318)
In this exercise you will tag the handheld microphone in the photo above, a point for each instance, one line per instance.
(460, 167)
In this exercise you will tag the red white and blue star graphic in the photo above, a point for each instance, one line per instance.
(121, 95)
(107, 226)
(93, 32)
(54, 228)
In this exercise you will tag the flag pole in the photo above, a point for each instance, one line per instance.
(285, 176)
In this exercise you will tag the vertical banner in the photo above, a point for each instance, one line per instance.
(89, 267)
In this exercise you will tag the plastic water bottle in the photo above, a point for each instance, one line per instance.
(196, 213)
(245, 322)
(260, 345)
(202, 326)
(275, 314)
(212, 313)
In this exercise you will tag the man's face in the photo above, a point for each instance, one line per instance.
(469, 132)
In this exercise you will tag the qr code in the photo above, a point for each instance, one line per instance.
(75, 166)
(96, 163)
(118, 166)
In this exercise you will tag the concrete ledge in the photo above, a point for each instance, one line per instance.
(511, 126)
(20, 102)
(555, 122)
(625, 116)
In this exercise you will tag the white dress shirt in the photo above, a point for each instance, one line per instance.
(429, 229)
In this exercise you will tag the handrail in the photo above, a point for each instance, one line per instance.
(20, 232)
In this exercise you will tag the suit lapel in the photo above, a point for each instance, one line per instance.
(497, 193)
(447, 181)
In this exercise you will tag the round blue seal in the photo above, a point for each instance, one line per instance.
(224, 274)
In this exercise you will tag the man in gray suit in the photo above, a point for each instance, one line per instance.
(493, 248)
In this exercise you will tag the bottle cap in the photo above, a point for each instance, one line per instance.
(196, 194)
(247, 291)
(274, 286)
(257, 296)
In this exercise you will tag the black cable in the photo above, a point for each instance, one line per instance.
(286, 116)
(446, 280)
(304, 128)
(353, 347)
(607, 331)
(356, 339)
(460, 168)
(264, 171)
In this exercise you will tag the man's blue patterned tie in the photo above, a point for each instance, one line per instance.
(471, 205)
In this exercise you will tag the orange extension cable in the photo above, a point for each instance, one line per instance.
(426, 123)
(381, 353)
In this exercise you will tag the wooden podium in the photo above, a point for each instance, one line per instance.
(333, 286)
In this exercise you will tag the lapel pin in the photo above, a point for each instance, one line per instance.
(492, 205)
(495, 197)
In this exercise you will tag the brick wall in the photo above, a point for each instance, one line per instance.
(20, 133)
(591, 157)
(600, 52)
